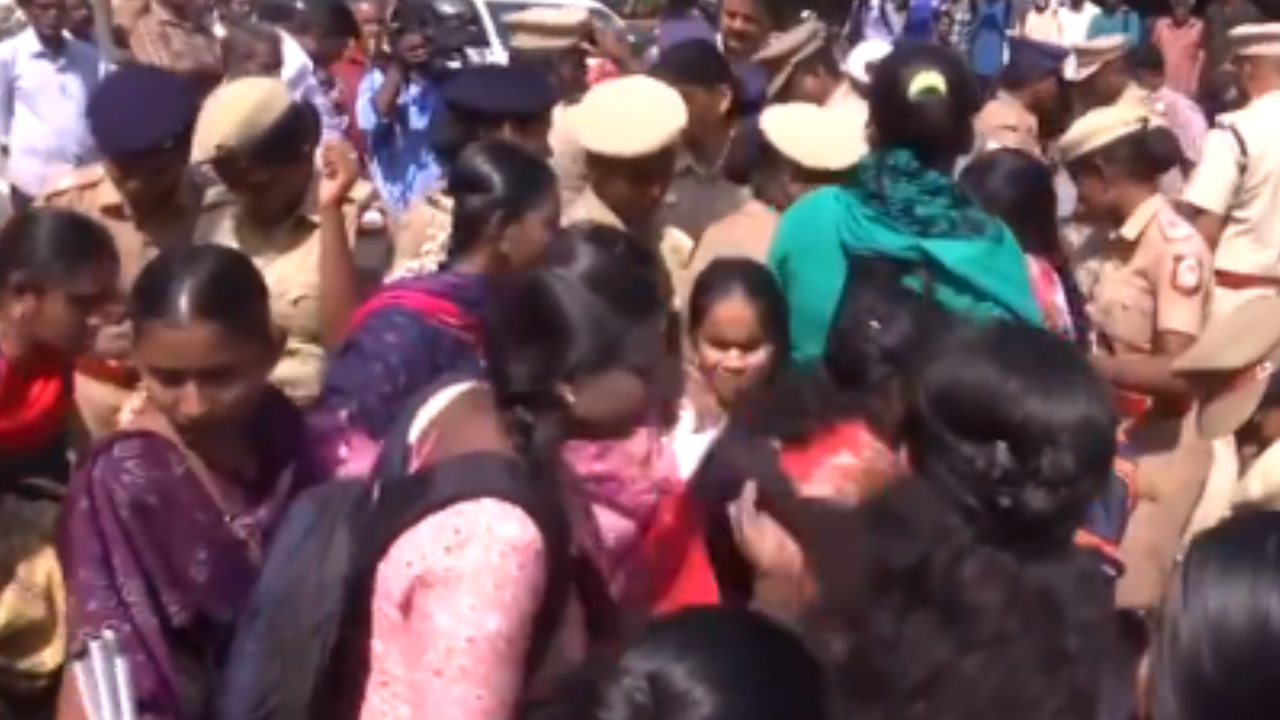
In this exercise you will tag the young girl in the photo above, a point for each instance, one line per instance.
(737, 324)
(167, 519)
(58, 273)
(834, 426)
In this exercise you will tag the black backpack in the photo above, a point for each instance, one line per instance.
(300, 648)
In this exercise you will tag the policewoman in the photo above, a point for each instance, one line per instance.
(550, 40)
(294, 220)
(806, 146)
(630, 129)
(1149, 305)
(143, 194)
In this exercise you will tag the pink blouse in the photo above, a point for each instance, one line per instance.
(621, 482)
(453, 606)
(1180, 47)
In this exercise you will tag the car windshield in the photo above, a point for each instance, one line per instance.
(499, 12)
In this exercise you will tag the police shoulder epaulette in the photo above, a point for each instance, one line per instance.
(676, 247)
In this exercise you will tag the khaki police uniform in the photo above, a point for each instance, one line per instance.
(105, 380)
(746, 233)
(699, 196)
(632, 118)
(568, 158)
(1156, 276)
(554, 30)
(288, 256)
(1238, 180)
(1229, 369)
(813, 140)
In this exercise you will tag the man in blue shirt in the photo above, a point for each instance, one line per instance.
(394, 107)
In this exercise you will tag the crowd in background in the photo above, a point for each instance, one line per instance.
(923, 368)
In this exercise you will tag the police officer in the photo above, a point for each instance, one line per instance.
(1150, 304)
(514, 103)
(630, 129)
(808, 146)
(1098, 76)
(1234, 193)
(143, 194)
(293, 220)
(550, 41)
(803, 67)
(1027, 91)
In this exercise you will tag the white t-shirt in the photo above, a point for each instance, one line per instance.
(1075, 22)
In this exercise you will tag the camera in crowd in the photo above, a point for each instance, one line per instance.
(452, 30)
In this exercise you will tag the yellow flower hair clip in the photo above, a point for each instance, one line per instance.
(926, 82)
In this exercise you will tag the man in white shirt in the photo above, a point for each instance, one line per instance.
(1075, 16)
(46, 78)
(317, 32)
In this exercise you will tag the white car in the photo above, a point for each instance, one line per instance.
(493, 11)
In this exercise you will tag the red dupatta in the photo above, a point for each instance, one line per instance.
(35, 398)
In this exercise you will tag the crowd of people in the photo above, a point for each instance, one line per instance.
(350, 371)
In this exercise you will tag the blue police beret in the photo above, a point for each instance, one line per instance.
(500, 91)
(139, 108)
(1032, 57)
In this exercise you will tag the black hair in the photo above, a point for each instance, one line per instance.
(698, 63)
(1033, 443)
(328, 18)
(1018, 189)
(959, 586)
(1145, 59)
(923, 99)
(407, 18)
(290, 139)
(727, 277)
(206, 283)
(47, 247)
(698, 664)
(1143, 155)
(574, 317)
(1217, 649)
(240, 46)
(492, 184)
(879, 333)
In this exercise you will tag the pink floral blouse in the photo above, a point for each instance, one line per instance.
(453, 607)
(622, 482)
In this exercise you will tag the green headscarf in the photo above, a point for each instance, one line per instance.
(894, 207)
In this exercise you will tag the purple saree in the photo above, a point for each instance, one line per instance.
(148, 553)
